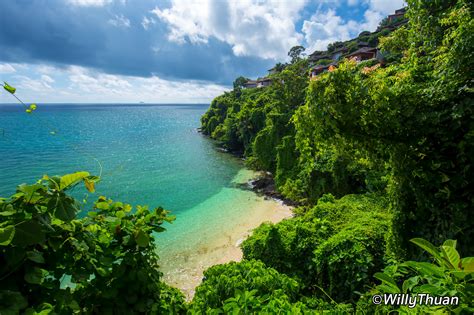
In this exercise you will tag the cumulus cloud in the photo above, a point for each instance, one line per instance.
(6, 68)
(81, 84)
(89, 3)
(105, 87)
(146, 22)
(252, 28)
(46, 78)
(26, 83)
(386, 6)
(119, 21)
(325, 27)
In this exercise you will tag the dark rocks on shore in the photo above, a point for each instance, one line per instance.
(265, 185)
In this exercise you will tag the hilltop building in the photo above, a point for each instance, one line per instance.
(250, 84)
(264, 82)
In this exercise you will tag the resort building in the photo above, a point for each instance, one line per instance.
(399, 14)
(364, 53)
(317, 70)
(250, 84)
(264, 82)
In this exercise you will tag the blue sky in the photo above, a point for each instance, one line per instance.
(162, 51)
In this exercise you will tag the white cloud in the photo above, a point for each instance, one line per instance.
(89, 3)
(84, 85)
(146, 22)
(46, 78)
(119, 21)
(253, 28)
(386, 7)
(6, 68)
(28, 84)
(109, 88)
(325, 27)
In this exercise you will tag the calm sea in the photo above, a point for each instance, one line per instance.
(149, 154)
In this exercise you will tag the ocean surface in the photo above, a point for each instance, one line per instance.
(148, 154)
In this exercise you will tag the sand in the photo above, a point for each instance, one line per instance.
(183, 267)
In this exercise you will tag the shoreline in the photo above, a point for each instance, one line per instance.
(184, 268)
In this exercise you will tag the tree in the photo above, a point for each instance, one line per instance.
(279, 67)
(239, 82)
(295, 53)
(334, 46)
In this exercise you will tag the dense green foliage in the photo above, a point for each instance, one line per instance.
(449, 275)
(374, 156)
(400, 136)
(243, 288)
(335, 246)
(53, 261)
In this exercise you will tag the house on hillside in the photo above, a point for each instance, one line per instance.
(317, 70)
(364, 53)
(264, 82)
(399, 14)
(250, 84)
(337, 54)
(317, 56)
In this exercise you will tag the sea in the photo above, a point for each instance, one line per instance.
(145, 154)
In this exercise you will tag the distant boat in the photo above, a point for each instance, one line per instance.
(142, 102)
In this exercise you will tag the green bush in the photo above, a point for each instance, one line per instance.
(449, 275)
(247, 286)
(107, 258)
(334, 247)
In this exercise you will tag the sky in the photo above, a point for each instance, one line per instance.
(174, 51)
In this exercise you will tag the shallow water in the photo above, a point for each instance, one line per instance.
(148, 155)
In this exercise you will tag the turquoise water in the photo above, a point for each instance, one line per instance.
(149, 154)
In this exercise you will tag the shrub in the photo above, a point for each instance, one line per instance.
(334, 247)
(248, 285)
(108, 255)
(449, 275)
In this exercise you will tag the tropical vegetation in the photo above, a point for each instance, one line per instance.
(378, 160)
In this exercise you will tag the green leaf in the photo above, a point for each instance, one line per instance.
(28, 233)
(35, 275)
(451, 243)
(142, 238)
(6, 235)
(63, 206)
(9, 210)
(35, 256)
(9, 88)
(12, 302)
(451, 255)
(387, 280)
(409, 283)
(467, 264)
(427, 246)
(102, 205)
(425, 268)
(72, 179)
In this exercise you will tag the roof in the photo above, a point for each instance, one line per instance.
(343, 48)
(401, 11)
(363, 50)
(264, 80)
(251, 82)
(320, 67)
